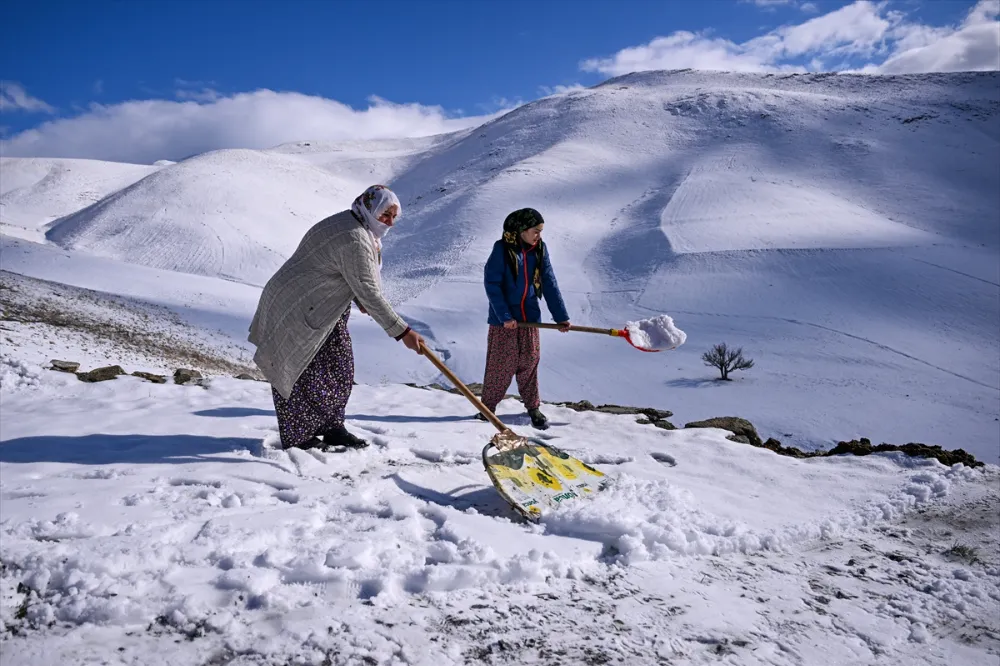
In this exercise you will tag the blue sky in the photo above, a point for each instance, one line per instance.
(433, 65)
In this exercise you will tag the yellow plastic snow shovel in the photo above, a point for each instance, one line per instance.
(530, 475)
(613, 332)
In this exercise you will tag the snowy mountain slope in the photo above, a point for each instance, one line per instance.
(233, 214)
(171, 531)
(842, 229)
(35, 191)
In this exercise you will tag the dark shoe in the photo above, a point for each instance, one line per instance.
(538, 419)
(342, 437)
(311, 443)
(479, 415)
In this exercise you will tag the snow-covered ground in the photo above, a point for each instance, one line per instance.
(843, 230)
(158, 524)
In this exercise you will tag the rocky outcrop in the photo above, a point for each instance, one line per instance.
(657, 417)
(101, 374)
(187, 376)
(156, 379)
(743, 431)
(863, 447)
(64, 366)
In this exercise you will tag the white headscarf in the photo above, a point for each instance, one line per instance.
(370, 204)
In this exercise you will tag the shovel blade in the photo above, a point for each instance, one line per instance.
(537, 478)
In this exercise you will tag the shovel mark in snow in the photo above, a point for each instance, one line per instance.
(453, 457)
(607, 459)
(195, 482)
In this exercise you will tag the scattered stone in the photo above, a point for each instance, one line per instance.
(64, 366)
(775, 445)
(187, 376)
(246, 376)
(734, 424)
(101, 374)
(652, 415)
(156, 379)
(863, 447)
(744, 432)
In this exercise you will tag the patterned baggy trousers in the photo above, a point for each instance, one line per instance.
(510, 353)
(319, 397)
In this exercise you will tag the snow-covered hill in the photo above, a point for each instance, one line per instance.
(33, 192)
(842, 229)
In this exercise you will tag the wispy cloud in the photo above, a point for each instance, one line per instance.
(863, 31)
(13, 97)
(973, 45)
(148, 130)
(555, 90)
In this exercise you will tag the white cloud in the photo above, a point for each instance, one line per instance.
(556, 90)
(861, 30)
(771, 5)
(972, 46)
(149, 130)
(13, 97)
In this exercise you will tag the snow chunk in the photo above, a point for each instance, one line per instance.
(655, 333)
(16, 374)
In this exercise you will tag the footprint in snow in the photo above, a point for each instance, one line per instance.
(664, 458)
(287, 496)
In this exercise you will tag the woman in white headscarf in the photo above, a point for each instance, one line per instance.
(300, 327)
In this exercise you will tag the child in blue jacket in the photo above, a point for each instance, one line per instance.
(517, 274)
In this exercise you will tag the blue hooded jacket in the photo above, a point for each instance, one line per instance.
(514, 297)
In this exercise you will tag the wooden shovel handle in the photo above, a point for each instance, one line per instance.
(483, 409)
(573, 327)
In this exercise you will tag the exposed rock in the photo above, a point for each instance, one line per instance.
(101, 374)
(246, 376)
(653, 415)
(187, 376)
(659, 423)
(775, 445)
(733, 424)
(744, 432)
(156, 379)
(64, 366)
(863, 447)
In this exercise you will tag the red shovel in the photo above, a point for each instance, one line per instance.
(613, 332)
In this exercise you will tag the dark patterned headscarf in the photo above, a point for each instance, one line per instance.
(518, 221)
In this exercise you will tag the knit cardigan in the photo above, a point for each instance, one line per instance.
(334, 264)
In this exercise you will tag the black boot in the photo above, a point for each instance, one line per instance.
(311, 443)
(342, 437)
(538, 419)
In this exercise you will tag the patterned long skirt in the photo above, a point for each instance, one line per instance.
(510, 353)
(319, 397)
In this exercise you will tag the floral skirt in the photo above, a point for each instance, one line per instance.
(318, 400)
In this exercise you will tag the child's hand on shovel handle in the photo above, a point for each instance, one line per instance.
(564, 326)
